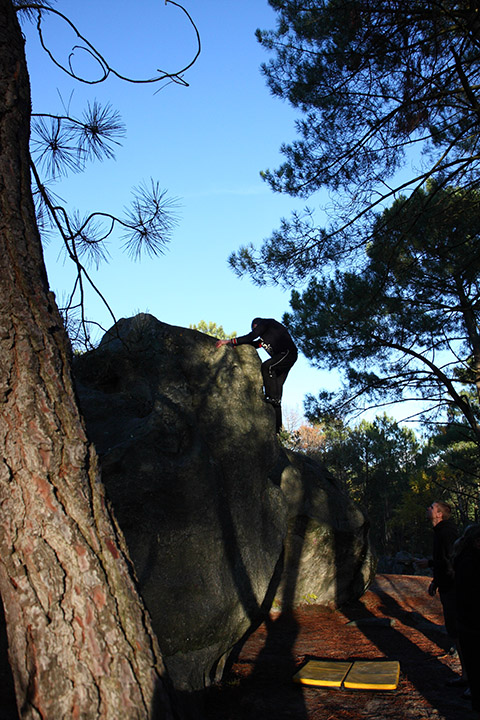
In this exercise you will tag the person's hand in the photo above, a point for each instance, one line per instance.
(219, 343)
(432, 589)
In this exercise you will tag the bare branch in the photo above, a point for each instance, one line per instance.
(41, 9)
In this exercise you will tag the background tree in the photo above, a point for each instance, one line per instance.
(404, 323)
(376, 462)
(453, 464)
(383, 457)
(409, 529)
(336, 448)
(300, 436)
(80, 640)
(212, 329)
(311, 440)
(376, 83)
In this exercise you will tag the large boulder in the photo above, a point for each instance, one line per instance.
(327, 557)
(220, 522)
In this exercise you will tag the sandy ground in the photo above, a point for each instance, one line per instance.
(396, 620)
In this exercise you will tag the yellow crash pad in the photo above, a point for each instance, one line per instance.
(325, 673)
(373, 675)
(358, 675)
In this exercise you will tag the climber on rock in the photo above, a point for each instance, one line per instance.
(273, 337)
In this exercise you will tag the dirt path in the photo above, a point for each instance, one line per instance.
(396, 619)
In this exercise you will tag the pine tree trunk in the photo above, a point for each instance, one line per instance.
(80, 641)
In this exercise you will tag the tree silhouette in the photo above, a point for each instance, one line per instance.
(404, 325)
(375, 84)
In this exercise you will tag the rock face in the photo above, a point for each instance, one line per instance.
(219, 520)
(327, 558)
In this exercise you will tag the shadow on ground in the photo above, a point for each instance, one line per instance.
(395, 619)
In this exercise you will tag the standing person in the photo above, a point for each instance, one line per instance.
(467, 590)
(444, 536)
(273, 337)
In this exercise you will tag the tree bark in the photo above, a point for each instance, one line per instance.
(80, 640)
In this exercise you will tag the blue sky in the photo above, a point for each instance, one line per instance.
(205, 144)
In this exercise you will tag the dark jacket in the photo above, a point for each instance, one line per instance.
(467, 589)
(269, 334)
(444, 536)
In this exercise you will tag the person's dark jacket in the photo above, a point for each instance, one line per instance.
(269, 334)
(467, 589)
(444, 536)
